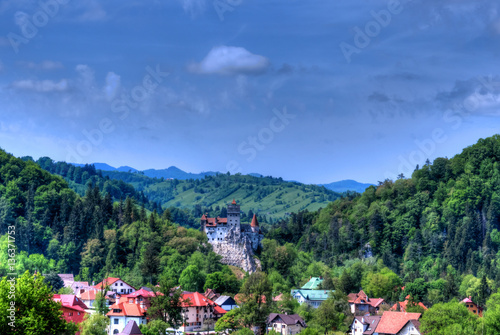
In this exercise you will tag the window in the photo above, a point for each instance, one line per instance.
(70, 314)
(115, 321)
(121, 284)
(115, 331)
(78, 313)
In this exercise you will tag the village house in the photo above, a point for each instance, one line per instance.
(226, 303)
(361, 304)
(73, 308)
(77, 286)
(309, 293)
(397, 323)
(403, 305)
(285, 324)
(365, 325)
(89, 297)
(130, 307)
(472, 306)
(199, 312)
(116, 285)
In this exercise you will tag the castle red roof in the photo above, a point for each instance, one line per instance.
(393, 322)
(212, 222)
(254, 223)
(234, 202)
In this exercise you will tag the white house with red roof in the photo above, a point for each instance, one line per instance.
(116, 285)
(73, 308)
(360, 303)
(199, 312)
(123, 312)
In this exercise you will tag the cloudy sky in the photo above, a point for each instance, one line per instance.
(314, 91)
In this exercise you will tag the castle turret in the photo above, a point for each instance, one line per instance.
(233, 216)
(255, 224)
(203, 222)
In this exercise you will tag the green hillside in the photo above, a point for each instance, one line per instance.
(267, 196)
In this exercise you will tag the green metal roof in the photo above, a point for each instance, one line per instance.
(313, 294)
(312, 284)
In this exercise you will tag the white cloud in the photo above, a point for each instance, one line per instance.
(112, 85)
(43, 86)
(230, 60)
(86, 75)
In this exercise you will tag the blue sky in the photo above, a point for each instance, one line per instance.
(309, 91)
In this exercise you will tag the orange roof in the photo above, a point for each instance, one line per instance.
(88, 295)
(203, 217)
(219, 310)
(402, 305)
(196, 299)
(254, 223)
(393, 322)
(234, 202)
(107, 282)
(126, 310)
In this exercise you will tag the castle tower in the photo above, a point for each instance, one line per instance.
(204, 222)
(255, 224)
(233, 216)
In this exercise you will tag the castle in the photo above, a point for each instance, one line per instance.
(230, 230)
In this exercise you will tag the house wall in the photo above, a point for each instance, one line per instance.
(228, 307)
(120, 287)
(197, 316)
(286, 329)
(409, 329)
(115, 328)
(357, 328)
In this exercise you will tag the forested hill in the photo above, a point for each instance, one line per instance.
(267, 196)
(447, 213)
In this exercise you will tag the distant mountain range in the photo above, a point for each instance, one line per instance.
(347, 185)
(174, 172)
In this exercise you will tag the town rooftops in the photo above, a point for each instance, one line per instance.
(313, 283)
(223, 299)
(371, 321)
(131, 329)
(362, 299)
(70, 301)
(291, 319)
(393, 322)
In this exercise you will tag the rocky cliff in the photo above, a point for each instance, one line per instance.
(237, 250)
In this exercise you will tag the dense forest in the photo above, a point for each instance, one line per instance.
(435, 233)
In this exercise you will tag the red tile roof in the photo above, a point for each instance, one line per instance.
(141, 293)
(126, 309)
(107, 282)
(212, 222)
(219, 310)
(361, 299)
(393, 322)
(234, 202)
(196, 299)
(70, 301)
